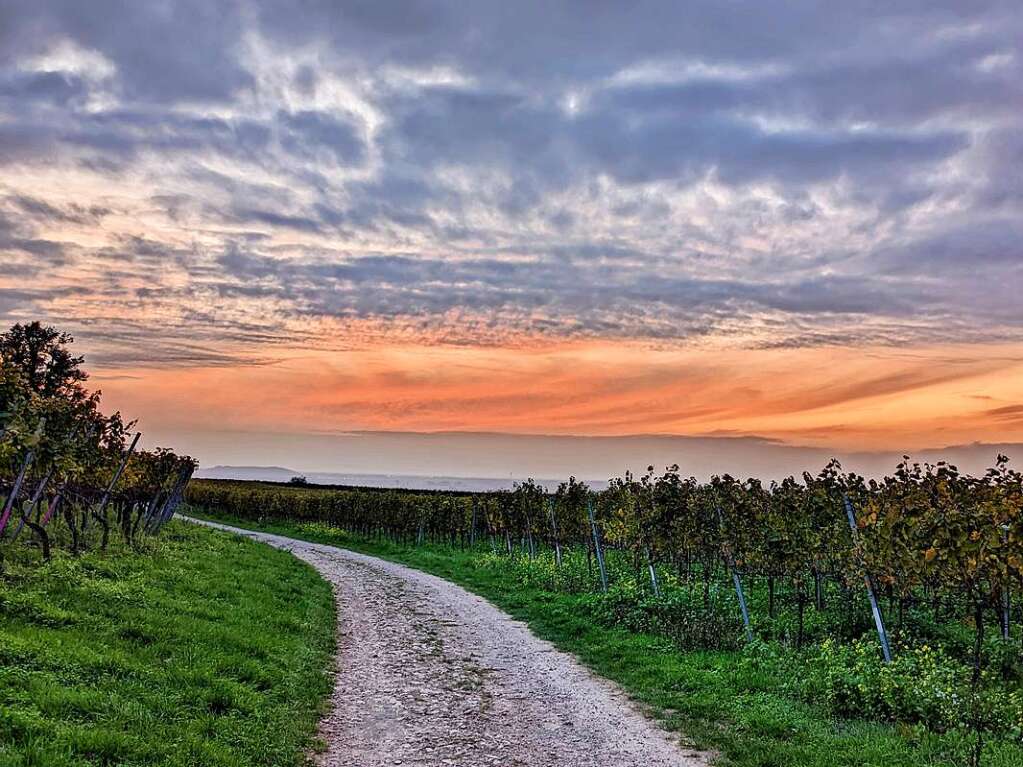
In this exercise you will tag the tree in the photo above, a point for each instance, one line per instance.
(47, 366)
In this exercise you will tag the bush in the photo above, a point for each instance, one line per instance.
(675, 615)
(921, 685)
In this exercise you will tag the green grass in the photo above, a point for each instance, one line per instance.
(201, 649)
(738, 704)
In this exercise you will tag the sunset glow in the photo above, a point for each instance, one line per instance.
(336, 221)
(851, 398)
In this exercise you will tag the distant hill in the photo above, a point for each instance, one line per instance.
(398, 481)
(260, 473)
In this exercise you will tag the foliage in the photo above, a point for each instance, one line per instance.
(61, 459)
(943, 552)
(922, 685)
(44, 362)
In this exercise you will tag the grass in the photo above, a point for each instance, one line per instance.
(201, 649)
(732, 702)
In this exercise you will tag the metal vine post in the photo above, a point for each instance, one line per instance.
(596, 545)
(868, 581)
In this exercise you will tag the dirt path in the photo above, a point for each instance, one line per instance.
(429, 674)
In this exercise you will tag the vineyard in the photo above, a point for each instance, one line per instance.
(890, 600)
(70, 475)
(897, 601)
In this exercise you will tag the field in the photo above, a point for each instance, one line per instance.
(811, 687)
(195, 649)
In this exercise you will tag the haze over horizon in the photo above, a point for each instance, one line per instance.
(800, 229)
(441, 459)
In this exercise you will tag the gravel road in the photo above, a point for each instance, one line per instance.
(429, 674)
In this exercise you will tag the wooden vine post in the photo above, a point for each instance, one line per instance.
(99, 514)
(53, 507)
(15, 489)
(1006, 598)
(33, 502)
(117, 474)
(530, 544)
(655, 584)
(882, 635)
(173, 497)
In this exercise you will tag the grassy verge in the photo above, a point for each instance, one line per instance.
(201, 649)
(739, 703)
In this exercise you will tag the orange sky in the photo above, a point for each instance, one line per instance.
(848, 398)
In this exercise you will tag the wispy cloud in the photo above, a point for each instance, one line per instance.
(219, 185)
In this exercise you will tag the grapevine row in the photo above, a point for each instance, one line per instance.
(69, 473)
(928, 532)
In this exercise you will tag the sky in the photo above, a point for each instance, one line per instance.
(773, 224)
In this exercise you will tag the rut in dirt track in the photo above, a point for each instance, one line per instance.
(429, 674)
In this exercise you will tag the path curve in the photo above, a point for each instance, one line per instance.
(430, 674)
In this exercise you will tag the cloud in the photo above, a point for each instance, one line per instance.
(308, 131)
(55, 88)
(577, 295)
(791, 177)
(24, 251)
(74, 213)
(1007, 413)
(184, 52)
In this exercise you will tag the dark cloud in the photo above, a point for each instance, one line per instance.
(649, 169)
(546, 43)
(275, 219)
(740, 153)
(646, 139)
(985, 254)
(29, 303)
(947, 77)
(18, 240)
(1003, 157)
(29, 88)
(185, 51)
(306, 132)
(572, 296)
(40, 210)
